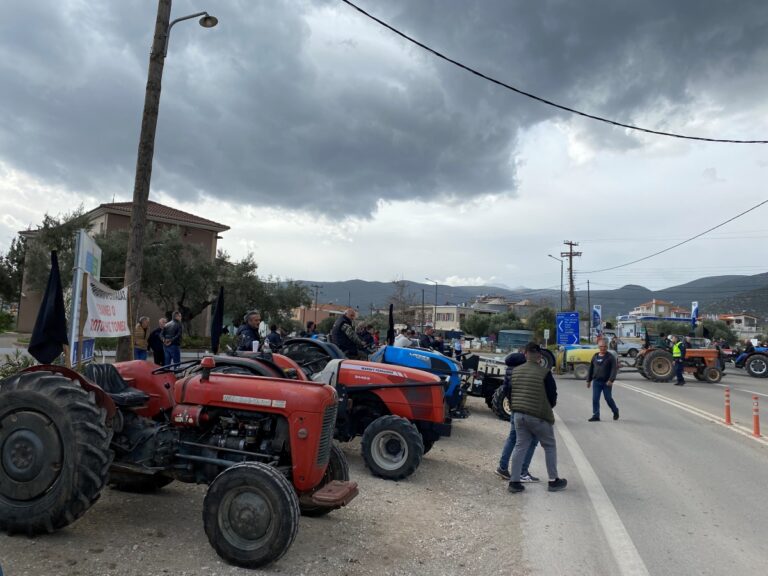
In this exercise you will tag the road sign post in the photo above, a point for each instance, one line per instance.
(567, 328)
(546, 337)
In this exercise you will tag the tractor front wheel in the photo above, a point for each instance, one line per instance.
(338, 469)
(54, 452)
(712, 375)
(392, 447)
(580, 371)
(501, 405)
(757, 366)
(251, 514)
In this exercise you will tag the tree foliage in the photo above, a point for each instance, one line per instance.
(487, 324)
(12, 270)
(542, 319)
(402, 299)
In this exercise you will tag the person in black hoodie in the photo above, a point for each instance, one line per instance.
(155, 342)
(602, 372)
(512, 361)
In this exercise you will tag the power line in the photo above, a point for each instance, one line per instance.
(679, 243)
(539, 98)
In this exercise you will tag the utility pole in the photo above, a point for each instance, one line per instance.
(570, 255)
(422, 310)
(317, 292)
(589, 311)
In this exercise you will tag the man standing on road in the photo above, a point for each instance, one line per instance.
(512, 361)
(678, 355)
(140, 334)
(427, 340)
(533, 416)
(155, 342)
(602, 373)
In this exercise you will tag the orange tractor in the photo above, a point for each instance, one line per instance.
(655, 362)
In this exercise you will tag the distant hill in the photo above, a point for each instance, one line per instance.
(715, 294)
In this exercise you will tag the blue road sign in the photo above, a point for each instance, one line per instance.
(567, 328)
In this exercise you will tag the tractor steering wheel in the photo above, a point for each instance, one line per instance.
(176, 368)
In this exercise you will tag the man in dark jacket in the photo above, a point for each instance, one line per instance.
(248, 332)
(274, 338)
(512, 361)
(602, 374)
(172, 340)
(155, 342)
(533, 417)
(344, 336)
(427, 340)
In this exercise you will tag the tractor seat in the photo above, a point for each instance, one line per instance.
(110, 380)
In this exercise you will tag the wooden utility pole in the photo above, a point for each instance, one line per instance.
(134, 260)
(570, 255)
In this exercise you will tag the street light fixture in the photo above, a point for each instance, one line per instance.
(561, 279)
(134, 260)
(434, 316)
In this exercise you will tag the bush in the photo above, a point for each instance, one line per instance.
(13, 363)
(7, 322)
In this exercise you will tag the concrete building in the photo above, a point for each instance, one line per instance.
(117, 216)
(317, 314)
(743, 325)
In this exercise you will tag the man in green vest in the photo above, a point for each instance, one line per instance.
(678, 355)
(533, 395)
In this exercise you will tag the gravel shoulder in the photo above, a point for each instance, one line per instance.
(453, 516)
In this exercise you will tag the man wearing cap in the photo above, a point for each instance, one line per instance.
(248, 333)
(532, 404)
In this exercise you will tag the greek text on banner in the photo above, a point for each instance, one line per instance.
(107, 311)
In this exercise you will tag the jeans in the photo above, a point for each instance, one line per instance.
(139, 354)
(509, 445)
(527, 427)
(679, 370)
(172, 354)
(601, 387)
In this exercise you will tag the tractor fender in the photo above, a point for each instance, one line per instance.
(102, 398)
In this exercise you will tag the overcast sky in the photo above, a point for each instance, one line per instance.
(336, 150)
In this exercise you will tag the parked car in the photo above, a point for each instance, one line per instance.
(627, 347)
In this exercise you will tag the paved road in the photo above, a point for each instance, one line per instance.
(665, 490)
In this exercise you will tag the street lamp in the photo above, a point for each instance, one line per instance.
(434, 316)
(561, 279)
(134, 260)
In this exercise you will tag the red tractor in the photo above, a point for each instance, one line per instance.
(399, 412)
(261, 441)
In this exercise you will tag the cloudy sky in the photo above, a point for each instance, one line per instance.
(336, 150)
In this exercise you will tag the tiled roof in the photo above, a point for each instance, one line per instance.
(156, 211)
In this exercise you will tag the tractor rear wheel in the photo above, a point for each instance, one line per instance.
(392, 447)
(658, 366)
(547, 359)
(54, 452)
(580, 371)
(500, 405)
(338, 469)
(251, 514)
(712, 374)
(757, 366)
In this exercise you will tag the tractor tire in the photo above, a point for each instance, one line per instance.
(580, 371)
(547, 359)
(658, 366)
(501, 406)
(699, 375)
(712, 375)
(138, 483)
(757, 366)
(392, 447)
(54, 452)
(632, 353)
(251, 514)
(489, 399)
(338, 469)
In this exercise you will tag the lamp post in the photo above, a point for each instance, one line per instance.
(134, 260)
(317, 295)
(561, 279)
(434, 316)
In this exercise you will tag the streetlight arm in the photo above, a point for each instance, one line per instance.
(189, 17)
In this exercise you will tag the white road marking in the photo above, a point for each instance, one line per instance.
(743, 430)
(624, 552)
(742, 390)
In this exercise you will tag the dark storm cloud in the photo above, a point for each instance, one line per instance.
(259, 111)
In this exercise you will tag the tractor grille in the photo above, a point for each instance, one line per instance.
(326, 436)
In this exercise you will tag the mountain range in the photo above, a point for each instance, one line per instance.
(715, 294)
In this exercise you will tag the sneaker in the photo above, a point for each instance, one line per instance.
(527, 477)
(616, 415)
(515, 487)
(503, 473)
(679, 383)
(594, 419)
(555, 485)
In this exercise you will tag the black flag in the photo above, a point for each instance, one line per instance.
(391, 329)
(50, 334)
(217, 321)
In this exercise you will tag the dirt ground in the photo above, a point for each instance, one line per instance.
(453, 516)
